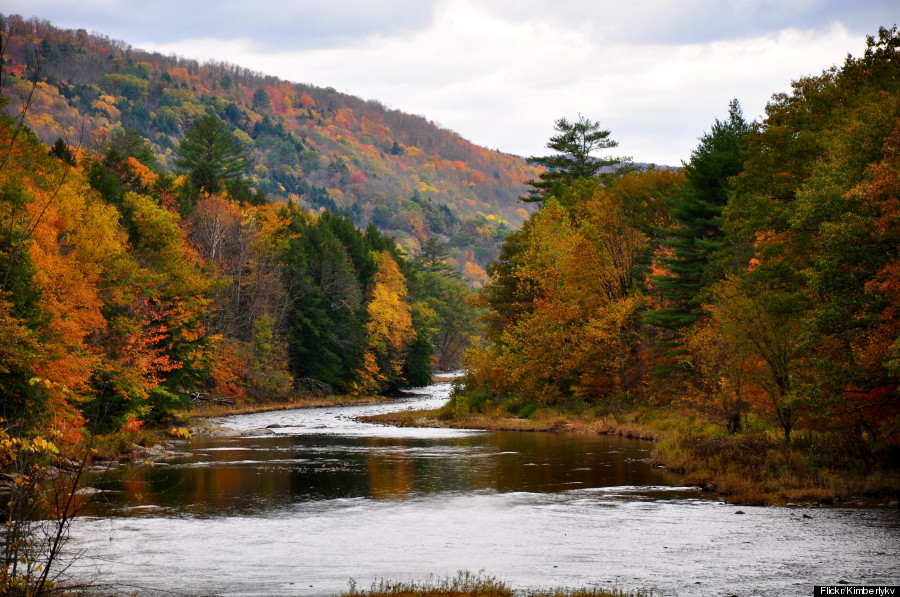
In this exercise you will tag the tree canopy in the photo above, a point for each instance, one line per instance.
(697, 238)
(575, 143)
(211, 155)
(764, 272)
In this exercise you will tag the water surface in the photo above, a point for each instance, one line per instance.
(322, 498)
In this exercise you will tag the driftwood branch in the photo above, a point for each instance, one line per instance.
(204, 397)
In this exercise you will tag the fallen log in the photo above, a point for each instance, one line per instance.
(204, 397)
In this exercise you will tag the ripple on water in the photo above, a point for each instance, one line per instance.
(301, 512)
(569, 538)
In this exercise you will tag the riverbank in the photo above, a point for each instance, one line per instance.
(754, 468)
(151, 443)
(246, 408)
(218, 409)
(200, 418)
(555, 422)
(751, 468)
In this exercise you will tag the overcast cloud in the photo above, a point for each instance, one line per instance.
(654, 72)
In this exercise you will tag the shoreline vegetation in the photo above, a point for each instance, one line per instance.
(467, 584)
(151, 443)
(753, 468)
(741, 308)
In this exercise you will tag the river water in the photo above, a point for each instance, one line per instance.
(319, 498)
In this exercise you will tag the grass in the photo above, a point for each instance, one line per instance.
(467, 584)
(758, 468)
(501, 420)
(752, 468)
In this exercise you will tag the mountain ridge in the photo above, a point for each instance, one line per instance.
(323, 148)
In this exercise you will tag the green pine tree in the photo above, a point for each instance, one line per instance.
(697, 237)
(575, 144)
(211, 155)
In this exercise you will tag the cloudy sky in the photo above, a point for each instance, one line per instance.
(656, 73)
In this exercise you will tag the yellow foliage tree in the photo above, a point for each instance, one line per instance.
(577, 334)
(389, 327)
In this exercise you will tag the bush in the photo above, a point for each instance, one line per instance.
(162, 403)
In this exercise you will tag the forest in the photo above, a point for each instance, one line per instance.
(747, 300)
(129, 290)
(212, 232)
(125, 291)
(324, 149)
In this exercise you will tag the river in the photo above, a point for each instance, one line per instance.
(320, 498)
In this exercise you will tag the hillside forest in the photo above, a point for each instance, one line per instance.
(141, 278)
(132, 286)
(170, 230)
(749, 298)
(323, 149)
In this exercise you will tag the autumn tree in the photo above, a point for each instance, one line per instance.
(812, 231)
(126, 164)
(720, 387)
(268, 373)
(564, 303)
(765, 327)
(446, 316)
(156, 342)
(389, 328)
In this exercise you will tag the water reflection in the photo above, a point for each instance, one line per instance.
(300, 512)
(391, 473)
(217, 476)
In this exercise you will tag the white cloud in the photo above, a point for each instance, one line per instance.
(271, 23)
(654, 72)
(501, 82)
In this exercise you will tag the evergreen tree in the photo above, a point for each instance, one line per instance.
(211, 155)
(326, 334)
(574, 145)
(129, 143)
(21, 344)
(260, 98)
(432, 256)
(62, 152)
(697, 237)
(417, 367)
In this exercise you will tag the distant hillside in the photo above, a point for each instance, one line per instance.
(326, 149)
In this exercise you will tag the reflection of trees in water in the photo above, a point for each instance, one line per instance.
(549, 462)
(391, 473)
(227, 476)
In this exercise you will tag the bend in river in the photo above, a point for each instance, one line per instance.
(319, 498)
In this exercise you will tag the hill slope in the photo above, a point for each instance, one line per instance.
(326, 149)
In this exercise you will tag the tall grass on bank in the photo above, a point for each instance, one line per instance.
(754, 466)
(467, 584)
(759, 468)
